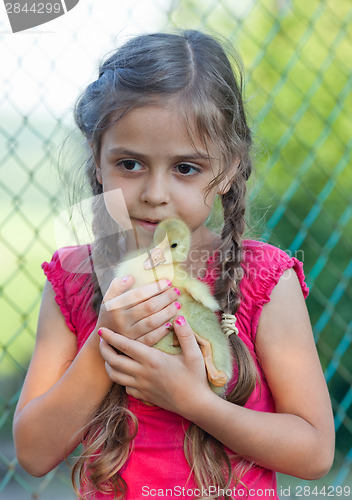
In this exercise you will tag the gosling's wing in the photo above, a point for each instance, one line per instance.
(198, 290)
(205, 323)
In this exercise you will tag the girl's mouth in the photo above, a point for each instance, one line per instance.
(147, 224)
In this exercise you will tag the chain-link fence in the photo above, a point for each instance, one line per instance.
(297, 55)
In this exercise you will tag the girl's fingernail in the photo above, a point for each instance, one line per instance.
(100, 333)
(177, 305)
(168, 325)
(177, 291)
(168, 282)
(180, 320)
(124, 279)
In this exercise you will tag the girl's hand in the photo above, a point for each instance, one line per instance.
(141, 313)
(169, 381)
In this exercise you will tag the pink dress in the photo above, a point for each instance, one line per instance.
(157, 467)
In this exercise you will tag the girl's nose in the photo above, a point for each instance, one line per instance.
(156, 190)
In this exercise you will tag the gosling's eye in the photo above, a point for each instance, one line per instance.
(130, 165)
(186, 169)
(173, 245)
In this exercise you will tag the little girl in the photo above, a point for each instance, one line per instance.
(165, 125)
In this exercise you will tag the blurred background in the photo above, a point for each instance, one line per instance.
(297, 58)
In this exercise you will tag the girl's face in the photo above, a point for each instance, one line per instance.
(149, 155)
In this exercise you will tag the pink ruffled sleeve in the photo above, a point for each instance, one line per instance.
(264, 265)
(57, 277)
(67, 272)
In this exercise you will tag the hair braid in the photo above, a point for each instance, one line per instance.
(228, 290)
(227, 285)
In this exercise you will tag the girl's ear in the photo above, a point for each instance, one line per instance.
(98, 174)
(225, 184)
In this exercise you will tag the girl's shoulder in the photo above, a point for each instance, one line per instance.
(69, 260)
(69, 272)
(260, 255)
(263, 265)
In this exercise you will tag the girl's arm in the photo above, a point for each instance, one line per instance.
(62, 389)
(59, 394)
(297, 440)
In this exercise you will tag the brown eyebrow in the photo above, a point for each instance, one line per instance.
(134, 154)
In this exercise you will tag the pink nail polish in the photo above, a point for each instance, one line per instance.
(177, 305)
(168, 282)
(124, 279)
(180, 320)
(177, 291)
(100, 332)
(168, 325)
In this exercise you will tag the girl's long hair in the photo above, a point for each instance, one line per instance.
(193, 68)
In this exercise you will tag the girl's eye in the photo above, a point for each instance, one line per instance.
(186, 169)
(130, 165)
